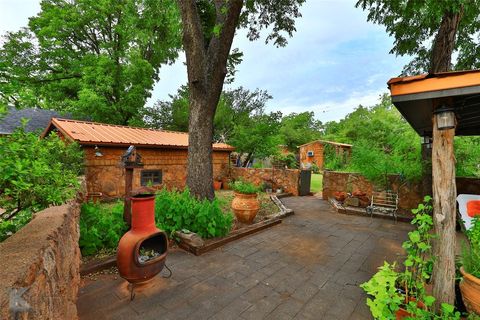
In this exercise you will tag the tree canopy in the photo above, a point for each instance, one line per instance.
(92, 58)
(415, 24)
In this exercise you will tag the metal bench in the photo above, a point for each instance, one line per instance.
(384, 202)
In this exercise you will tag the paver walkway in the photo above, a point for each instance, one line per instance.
(308, 267)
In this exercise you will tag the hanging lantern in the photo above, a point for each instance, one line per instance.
(445, 117)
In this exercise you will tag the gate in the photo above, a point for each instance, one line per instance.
(304, 183)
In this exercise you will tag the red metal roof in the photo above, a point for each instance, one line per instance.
(93, 133)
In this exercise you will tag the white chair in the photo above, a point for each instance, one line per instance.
(462, 200)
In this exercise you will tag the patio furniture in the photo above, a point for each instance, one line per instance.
(464, 218)
(385, 202)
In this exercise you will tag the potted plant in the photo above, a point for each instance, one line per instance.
(470, 270)
(245, 205)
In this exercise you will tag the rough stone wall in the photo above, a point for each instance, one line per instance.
(410, 195)
(104, 174)
(317, 148)
(43, 257)
(288, 179)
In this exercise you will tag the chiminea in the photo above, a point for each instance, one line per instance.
(142, 251)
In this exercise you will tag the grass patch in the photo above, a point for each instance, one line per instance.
(316, 182)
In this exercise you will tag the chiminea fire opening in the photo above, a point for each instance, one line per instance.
(151, 249)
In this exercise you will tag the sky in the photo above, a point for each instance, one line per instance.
(334, 62)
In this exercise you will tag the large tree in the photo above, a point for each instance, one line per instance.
(432, 31)
(93, 58)
(299, 128)
(209, 27)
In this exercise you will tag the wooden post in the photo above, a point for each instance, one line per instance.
(444, 207)
(127, 208)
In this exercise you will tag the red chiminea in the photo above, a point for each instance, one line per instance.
(142, 251)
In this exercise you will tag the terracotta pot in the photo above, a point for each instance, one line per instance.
(143, 235)
(217, 185)
(340, 196)
(245, 207)
(358, 193)
(470, 288)
(402, 313)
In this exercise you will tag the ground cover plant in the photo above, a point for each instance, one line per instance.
(34, 174)
(244, 187)
(470, 258)
(101, 227)
(180, 210)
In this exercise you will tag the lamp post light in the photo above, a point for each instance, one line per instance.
(445, 117)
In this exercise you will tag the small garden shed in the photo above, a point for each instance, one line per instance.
(164, 155)
(313, 152)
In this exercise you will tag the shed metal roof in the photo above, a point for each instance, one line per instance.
(93, 133)
(343, 145)
(415, 98)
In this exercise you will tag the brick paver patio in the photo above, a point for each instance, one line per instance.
(308, 267)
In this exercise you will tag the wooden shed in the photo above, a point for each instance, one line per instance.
(164, 155)
(313, 152)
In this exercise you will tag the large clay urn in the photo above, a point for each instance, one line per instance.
(470, 288)
(245, 207)
(143, 236)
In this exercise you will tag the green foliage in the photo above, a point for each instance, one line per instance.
(286, 160)
(382, 287)
(471, 252)
(36, 173)
(414, 23)
(333, 160)
(90, 57)
(101, 227)
(391, 289)
(467, 155)
(175, 211)
(244, 187)
(299, 128)
(383, 143)
(259, 136)
(9, 227)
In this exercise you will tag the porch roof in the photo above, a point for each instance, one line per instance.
(414, 98)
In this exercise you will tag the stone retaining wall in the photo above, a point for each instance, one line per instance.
(410, 195)
(44, 258)
(288, 179)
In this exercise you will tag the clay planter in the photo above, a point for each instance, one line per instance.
(217, 185)
(245, 207)
(402, 313)
(340, 196)
(470, 288)
(143, 235)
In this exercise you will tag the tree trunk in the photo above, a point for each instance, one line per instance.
(444, 208)
(444, 43)
(206, 67)
(200, 167)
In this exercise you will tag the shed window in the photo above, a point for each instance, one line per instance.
(150, 177)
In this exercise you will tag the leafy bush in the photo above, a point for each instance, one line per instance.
(175, 211)
(101, 227)
(315, 168)
(471, 253)
(36, 173)
(244, 187)
(7, 228)
(286, 160)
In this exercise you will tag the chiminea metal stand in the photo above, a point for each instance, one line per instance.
(130, 160)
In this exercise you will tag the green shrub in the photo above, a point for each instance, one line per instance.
(101, 227)
(471, 253)
(175, 211)
(244, 187)
(36, 173)
(7, 228)
(286, 160)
